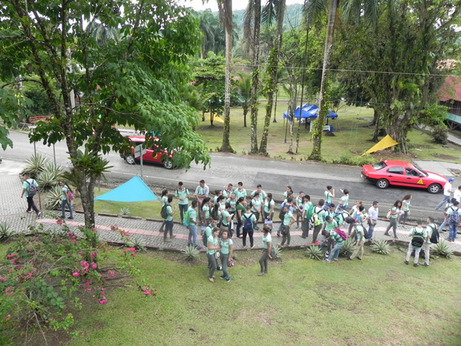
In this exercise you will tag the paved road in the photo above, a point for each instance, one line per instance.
(311, 177)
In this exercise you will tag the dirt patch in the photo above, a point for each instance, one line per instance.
(444, 157)
(251, 315)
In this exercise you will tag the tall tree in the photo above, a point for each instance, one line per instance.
(135, 82)
(243, 86)
(274, 8)
(225, 15)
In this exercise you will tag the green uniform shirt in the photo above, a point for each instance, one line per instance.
(308, 207)
(268, 205)
(330, 226)
(64, 190)
(287, 219)
(214, 242)
(396, 210)
(336, 237)
(169, 211)
(182, 194)
(224, 215)
(206, 210)
(164, 200)
(240, 193)
(192, 214)
(266, 239)
(406, 205)
(321, 215)
(328, 196)
(359, 230)
(225, 245)
(256, 205)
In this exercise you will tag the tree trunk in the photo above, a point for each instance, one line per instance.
(255, 79)
(272, 70)
(319, 123)
(245, 112)
(275, 105)
(226, 147)
(377, 125)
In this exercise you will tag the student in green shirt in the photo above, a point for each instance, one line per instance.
(288, 220)
(406, 201)
(182, 194)
(299, 206)
(256, 207)
(227, 250)
(248, 215)
(240, 210)
(269, 206)
(338, 242)
(359, 239)
(240, 191)
(319, 220)
(192, 239)
(418, 236)
(212, 247)
(267, 250)
(225, 218)
(163, 201)
(308, 211)
(394, 213)
(208, 231)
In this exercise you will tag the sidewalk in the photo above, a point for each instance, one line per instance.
(12, 212)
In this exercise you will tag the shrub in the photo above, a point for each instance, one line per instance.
(277, 253)
(5, 232)
(354, 159)
(190, 253)
(35, 165)
(49, 177)
(440, 134)
(125, 211)
(381, 247)
(53, 198)
(314, 252)
(442, 249)
(348, 247)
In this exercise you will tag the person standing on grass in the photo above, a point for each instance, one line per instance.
(169, 220)
(227, 251)
(432, 234)
(373, 213)
(29, 188)
(201, 192)
(319, 220)
(447, 191)
(267, 250)
(212, 247)
(418, 236)
(288, 220)
(454, 217)
(337, 242)
(240, 210)
(65, 200)
(359, 233)
(329, 195)
(192, 240)
(406, 200)
(163, 201)
(394, 213)
(308, 211)
(248, 221)
(182, 194)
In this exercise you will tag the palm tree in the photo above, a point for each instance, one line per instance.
(274, 8)
(244, 88)
(225, 15)
(352, 9)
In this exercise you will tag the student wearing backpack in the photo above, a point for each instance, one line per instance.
(418, 236)
(432, 238)
(359, 233)
(212, 248)
(182, 194)
(190, 221)
(240, 210)
(267, 250)
(319, 220)
(289, 203)
(227, 250)
(453, 220)
(168, 218)
(65, 198)
(308, 211)
(163, 201)
(248, 220)
(29, 188)
(338, 242)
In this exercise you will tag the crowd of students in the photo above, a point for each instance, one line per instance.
(233, 210)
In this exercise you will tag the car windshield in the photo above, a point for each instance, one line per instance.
(379, 165)
(420, 170)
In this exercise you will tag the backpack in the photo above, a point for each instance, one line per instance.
(417, 240)
(186, 221)
(163, 212)
(282, 213)
(434, 236)
(365, 233)
(70, 194)
(32, 190)
(342, 234)
(454, 217)
(248, 223)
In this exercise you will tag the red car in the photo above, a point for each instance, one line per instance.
(152, 155)
(401, 173)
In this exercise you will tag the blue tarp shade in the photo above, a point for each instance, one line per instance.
(309, 111)
(134, 190)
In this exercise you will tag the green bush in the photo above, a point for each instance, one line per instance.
(381, 247)
(277, 253)
(35, 165)
(348, 247)
(354, 159)
(191, 253)
(442, 249)
(440, 134)
(314, 252)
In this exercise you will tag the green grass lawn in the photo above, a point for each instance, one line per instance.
(351, 137)
(375, 301)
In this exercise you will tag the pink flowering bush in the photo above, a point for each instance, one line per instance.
(42, 275)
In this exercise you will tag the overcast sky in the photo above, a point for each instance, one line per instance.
(236, 4)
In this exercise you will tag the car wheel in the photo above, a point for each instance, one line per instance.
(130, 160)
(168, 164)
(382, 183)
(434, 188)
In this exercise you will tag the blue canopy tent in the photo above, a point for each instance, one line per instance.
(134, 190)
(309, 111)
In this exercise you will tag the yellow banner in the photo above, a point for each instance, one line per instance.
(384, 143)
